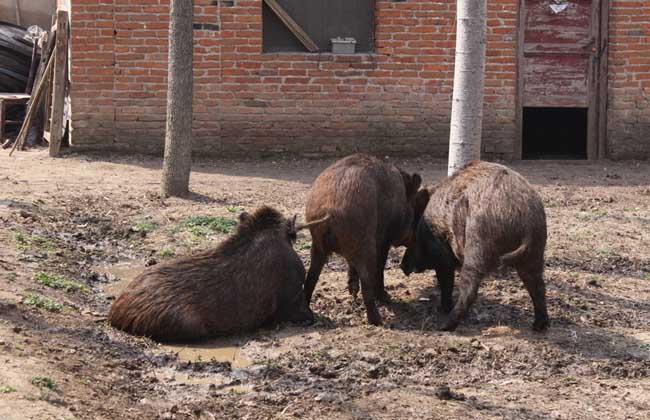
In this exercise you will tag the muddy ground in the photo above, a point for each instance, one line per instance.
(74, 230)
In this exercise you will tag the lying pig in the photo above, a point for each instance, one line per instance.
(252, 278)
(369, 204)
(483, 216)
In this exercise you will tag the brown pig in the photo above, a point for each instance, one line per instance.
(370, 208)
(483, 216)
(252, 278)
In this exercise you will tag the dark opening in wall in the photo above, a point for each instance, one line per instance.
(554, 133)
(322, 20)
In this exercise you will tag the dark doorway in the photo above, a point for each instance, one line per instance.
(554, 133)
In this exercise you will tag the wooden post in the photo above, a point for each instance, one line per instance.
(59, 82)
(2, 120)
(32, 107)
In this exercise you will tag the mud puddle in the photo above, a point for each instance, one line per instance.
(119, 275)
(216, 350)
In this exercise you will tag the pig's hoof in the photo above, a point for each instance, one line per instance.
(449, 325)
(445, 309)
(354, 291)
(374, 319)
(384, 297)
(541, 325)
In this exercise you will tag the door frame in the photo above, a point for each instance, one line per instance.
(596, 81)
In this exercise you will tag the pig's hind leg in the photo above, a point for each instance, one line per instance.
(532, 275)
(318, 260)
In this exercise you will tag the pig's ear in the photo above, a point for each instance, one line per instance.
(291, 228)
(421, 200)
(416, 181)
(412, 184)
(244, 216)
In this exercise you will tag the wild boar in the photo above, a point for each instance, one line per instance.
(370, 208)
(252, 278)
(484, 216)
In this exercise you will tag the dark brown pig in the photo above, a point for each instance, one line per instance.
(370, 208)
(252, 278)
(483, 216)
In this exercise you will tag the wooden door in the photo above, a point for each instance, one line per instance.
(560, 49)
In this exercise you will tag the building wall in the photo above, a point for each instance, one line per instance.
(628, 122)
(396, 100)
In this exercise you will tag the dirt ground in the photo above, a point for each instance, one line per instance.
(88, 223)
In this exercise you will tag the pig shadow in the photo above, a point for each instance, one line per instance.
(575, 330)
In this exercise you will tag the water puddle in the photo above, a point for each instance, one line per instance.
(218, 350)
(122, 273)
(218, 382)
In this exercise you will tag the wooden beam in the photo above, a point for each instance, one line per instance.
(33, 105)
(59, 82)
(292, 25)
(603, 50)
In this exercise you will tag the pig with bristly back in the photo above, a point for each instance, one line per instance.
(252, 278)
(484, 216)
(369, 205)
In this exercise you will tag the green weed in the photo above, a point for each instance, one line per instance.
(6, 389)
(56, 281)
(167, 252)
(42, 302)
(303, 245)
(204, 225)
(144, 226)
(234, 209)
(26, 241)
(44, 382)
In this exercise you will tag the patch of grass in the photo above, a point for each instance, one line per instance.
(272, 364)
(26, 241)
(6, 389)
(571, 380)
(56, 281)
(167, 252)
(44, 382)
(234, 209)
(42, 302)
(204, 225)
(303, 245)
(144, 226)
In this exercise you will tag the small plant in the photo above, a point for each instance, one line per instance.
(272, 364)
(144, 226)
(44, 382)
(204, 225)
(6, 389)
(27, 241)
(303, 245)
(234, 209)
(56, 281)
(167, 252)
(42, 302)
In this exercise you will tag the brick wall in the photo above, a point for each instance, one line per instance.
(628, 122)
(395, 100)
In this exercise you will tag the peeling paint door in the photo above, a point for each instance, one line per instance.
(560, 50)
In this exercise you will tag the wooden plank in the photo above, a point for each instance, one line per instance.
(59, 81)
(603, 50)
(519, 107)
(592, 95)
(32, 107)
(16, 97)
(292, 26)
(2, 120)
